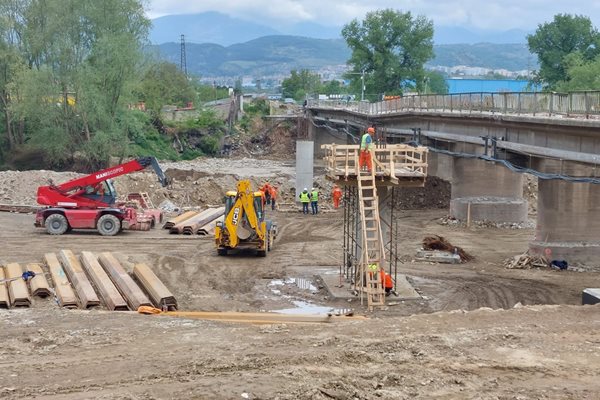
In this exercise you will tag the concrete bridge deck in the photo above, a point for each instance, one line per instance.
(480, 146)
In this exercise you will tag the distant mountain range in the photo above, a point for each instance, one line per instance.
(277, 55)
(214, 27)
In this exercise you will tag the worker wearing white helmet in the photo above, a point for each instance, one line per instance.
(304, 199)
(314, 201)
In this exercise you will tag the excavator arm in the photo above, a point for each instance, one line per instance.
(75, 194)
(242, 210)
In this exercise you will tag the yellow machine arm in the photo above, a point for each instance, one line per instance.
(244, 205)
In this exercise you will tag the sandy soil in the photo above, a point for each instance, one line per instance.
(442, 346)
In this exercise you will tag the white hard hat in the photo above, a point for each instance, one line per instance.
(312, 189)
(305, 189)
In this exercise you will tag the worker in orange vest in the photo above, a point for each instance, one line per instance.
(366, 146)
(273, 192)
(386, 281)
(266, 189)
(336, 195)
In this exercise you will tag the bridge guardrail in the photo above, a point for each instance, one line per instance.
(573, 104)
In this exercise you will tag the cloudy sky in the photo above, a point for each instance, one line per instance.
(482, 14)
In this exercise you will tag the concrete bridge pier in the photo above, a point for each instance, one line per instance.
(568, 217)
(483, 190)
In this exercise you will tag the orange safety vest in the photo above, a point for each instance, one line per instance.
(386, 279)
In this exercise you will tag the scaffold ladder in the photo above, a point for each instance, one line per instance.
(373, 255)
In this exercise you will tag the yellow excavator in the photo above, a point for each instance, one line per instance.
(244, 225)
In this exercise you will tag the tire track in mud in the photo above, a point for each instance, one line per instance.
(459, 292)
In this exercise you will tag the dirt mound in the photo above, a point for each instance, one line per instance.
(435, 194)
(20, 187)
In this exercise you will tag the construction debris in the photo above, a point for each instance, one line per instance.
(438, 256)
(525, 261)
(159, 294)
(437, 242)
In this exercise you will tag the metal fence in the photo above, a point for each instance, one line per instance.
(574, 104)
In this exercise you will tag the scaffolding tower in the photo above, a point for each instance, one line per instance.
(370, 243)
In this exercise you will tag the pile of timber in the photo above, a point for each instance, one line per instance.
(195, 223)
(84, 282)
(525, 261)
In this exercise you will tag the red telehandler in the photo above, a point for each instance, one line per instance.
(89, 202)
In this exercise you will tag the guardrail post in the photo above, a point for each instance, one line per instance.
(587, 105)
(505, 100)
(535, 103)
(551, 104)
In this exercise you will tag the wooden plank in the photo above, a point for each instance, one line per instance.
(158, 292)
(106, 288)
(38, 284)
(174, 221)
(4, 299)
(83, 288)
(127, 287)
(62, 286)
(17, 289)
(255, 318)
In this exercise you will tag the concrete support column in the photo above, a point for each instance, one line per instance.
(487, 191)
(568, 222)
(304, 165)
(440, 165)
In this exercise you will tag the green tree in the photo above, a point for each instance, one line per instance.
(554, 41)
(332, 87)
(80, 60)
(300, 83)
(581, 74)
(391, 48)
(435, 82)
(164, 83)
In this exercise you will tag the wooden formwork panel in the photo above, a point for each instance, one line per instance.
(158, 292)
(62, 286)
(4, 300)
(174, 221)
(127, 287)
(108, 291)
(17, 288)
(39, 284)
(85, 292)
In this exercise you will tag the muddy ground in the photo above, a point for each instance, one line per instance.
(479, 331)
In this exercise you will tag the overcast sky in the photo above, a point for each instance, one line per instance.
(484, 14)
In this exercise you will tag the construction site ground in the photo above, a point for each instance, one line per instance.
(479, 330)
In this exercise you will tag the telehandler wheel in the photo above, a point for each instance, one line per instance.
(222, 252)
(56, 224)
(108, 225)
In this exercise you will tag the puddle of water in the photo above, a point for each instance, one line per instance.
(303, 307)
(302, 283)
